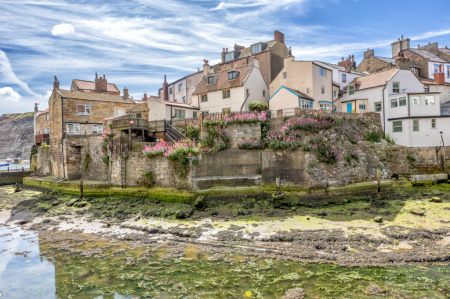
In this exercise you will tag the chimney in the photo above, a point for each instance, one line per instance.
(145, 97)
(254, 61)
(165, 90)
(56, 83)
(96, 75)
(223, 50)
(439, 77)
(402, 63)
(227, 50)
(402, 37)
(36, 107)
(400, 45)
(348, 67)
(101, 84)
(206, 68)
(369, 53)
(446, 47)
(125, 94)
(278, 36)
(429, 43)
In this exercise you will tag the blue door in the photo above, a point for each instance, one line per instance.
(349, 107)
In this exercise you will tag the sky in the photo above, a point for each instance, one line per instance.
(136, 42)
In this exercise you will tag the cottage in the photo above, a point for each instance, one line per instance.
(41, 126)
(180, 91)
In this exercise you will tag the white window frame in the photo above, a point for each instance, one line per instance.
(226, 94)
(170, 90)
(229, 56)
(86, 107)
(335, 93)
(264, 93)
(448, 71)
(97, 129)
(183, 99)
(351, 89)
(363, 107)
(325, 106)
(323, 90)
(393, 87)
(375, 108)
(47, 131)
(434, 123)
(344, 78)
(322, 72)
(396, 102)
(207, 80)
(400, 101)
(394, 127)
(48, 116)
(118, 110)
(415, 100)
(416, 125)
(204, 98)
(232, 75)
(436, 68)
(256, 48)
(179, 113)
(73, 129)
(429, 100)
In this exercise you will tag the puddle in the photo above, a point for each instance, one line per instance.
(64, 265)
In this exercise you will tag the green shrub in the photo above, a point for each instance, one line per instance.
(256, 106)
(259, 170)
(410, 158)
(373, 136)
(147, 180)
(194, 161)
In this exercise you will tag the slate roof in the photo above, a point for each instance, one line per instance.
(340, 68)
(445, 50)
(248, 51)
(373, 80)
(429, 55)
(299, 93)
(103, 97)
(221, 80)
(392, 61)
(445, 105)
(174, 104)
(428, 81)
(83, 84)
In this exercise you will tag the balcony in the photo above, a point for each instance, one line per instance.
(133, 123)
(42, 138)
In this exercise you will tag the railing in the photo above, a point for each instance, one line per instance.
(182, 123)
(127, 122)
(174, 133)
(39, 138)
(156, 126)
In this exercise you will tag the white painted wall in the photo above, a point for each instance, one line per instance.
(283, 99)
(350, 78)
(426, 136)
(157, 111)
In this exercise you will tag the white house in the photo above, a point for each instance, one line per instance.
(410, 116)
(231, 90)
(160, 110)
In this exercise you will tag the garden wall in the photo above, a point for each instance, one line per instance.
(238, 132)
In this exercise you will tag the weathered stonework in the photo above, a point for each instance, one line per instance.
(238, 133)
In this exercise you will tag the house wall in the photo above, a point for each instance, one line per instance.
(336, 90)
(42, 123)
(318, 82)
(283, 99)
(350, 78)
(426, 136)
(418, 61)
(55, 112)
(299, 77)
(257, 86)
(157, 111)
(443, 89)
(278, 52)
(372, 95)
(372, 65)
(188, 113)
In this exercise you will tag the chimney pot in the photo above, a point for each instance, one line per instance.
(145, 96)
(36, 107)
(223, 50)
(96, 75)
(227, 49)
(429, 43)
(418, 46)
(402, 37)
(104, 77)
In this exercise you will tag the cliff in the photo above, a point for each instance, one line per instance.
(16, 135)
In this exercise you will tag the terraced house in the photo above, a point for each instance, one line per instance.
(78, 112)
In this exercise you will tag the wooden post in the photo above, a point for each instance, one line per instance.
(129, 138)
(8, 168)
(277, 183)
(81, 189)
(378, 181)
(22, 169)
(17, 186)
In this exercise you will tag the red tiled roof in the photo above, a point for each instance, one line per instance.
(175, 104)
(103, 97)
(373, 80)
(82, 84)
(222, 81)
(42, 112)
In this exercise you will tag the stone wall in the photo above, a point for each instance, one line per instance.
(8, 178)
(42, 123)
(16, 135)
(91, 149)
(238, 132)
(43, 162)
(373, 64)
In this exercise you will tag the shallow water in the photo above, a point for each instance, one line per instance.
(14, 167)
(83, 266)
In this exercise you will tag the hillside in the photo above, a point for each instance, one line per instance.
(16, 135)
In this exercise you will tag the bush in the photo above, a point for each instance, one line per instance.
(410, 158)
(256, 106)
(259, 170)
(192, 131)
(194, 161)
(373, 136)
(327, 154)
(147, 180)
(44, 144)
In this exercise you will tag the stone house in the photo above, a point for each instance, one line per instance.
(180, 91)
(41, 126)
(270, 55)
(100, 85)
(231, 89)
(312, 82)
(74, 114)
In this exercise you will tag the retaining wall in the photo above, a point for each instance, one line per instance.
(7, 178)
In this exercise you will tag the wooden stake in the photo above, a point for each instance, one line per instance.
(378, 181)
(81, 189)
(277, 183)
(17, 186)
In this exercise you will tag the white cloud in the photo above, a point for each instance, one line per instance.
(62, 29)
(8, 94)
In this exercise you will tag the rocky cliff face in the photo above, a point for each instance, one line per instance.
(16, 135)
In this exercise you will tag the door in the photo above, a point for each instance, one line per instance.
(349, 107)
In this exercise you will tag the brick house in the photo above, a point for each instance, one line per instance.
(100, 85)
(73, 114)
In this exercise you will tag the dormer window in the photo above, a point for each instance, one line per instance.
(211, 80)
(256, 48)
(232, 75)
(228, 56)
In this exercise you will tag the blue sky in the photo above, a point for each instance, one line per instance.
(136, 42)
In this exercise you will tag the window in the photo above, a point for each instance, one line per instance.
(397, 126)
(264, 93)
(413, 70)
(204, 98)
(47, 131)
(322, 90)
(351, 90)
(402, 101)
(325, 106)
(48, 116)
(97, 129)
(362, 107)
(433, 123)
(415, 100)
(394, 103)
(211, 80)
(138, 115)
(322, 72)
(415, 125)
(225, 94)
(73, 128)
(84, 109)
(426, 89)
(344, 78)
(119, 111)
(429, 100)
(228, 56)
(232, 75)
(335, 93)
(305, 104)
(170, 90)
(448, 71)
(226, 110)
(184, 99)
(205, 112)
(377, 107)
(179, 113)
(396, 87)
(256, 48)
(194, 114)
(436, 68)
(180, 87)
(445, 112)
(284, 75)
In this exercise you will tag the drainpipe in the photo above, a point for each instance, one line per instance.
(384, 111)
(409, 120)
(62, 127)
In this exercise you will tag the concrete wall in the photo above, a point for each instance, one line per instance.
(8, 178)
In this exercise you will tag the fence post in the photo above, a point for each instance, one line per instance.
(81, 189)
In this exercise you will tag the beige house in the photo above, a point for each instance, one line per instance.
(231, 90)
(307, 79)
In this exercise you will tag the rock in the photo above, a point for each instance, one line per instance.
(435, 199)
(214, 213)
(72, 202)
(323, 214)
(378, 219)
(296, 293)
(200, 203)
(80, 204)
(55, 203)
(374, 289)
(417, 213)
(184, 214)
